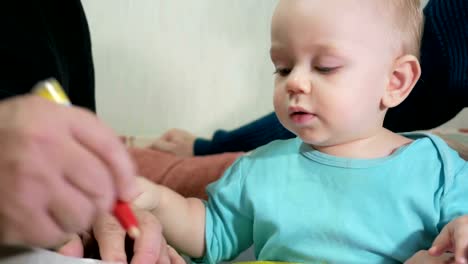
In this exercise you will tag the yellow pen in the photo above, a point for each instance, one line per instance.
(51, 89)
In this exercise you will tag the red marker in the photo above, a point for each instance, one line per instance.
(127, 219)
(52, 90)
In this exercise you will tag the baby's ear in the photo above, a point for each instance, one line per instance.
(405, 73)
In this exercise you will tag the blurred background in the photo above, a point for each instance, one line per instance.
(198, 65)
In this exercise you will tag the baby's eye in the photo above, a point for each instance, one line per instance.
(282, 71)
(326, 70)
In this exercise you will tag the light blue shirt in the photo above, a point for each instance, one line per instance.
(296, 204)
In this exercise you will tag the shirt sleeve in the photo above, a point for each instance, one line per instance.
(455, 200)
(228, 227)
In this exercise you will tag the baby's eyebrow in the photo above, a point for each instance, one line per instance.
(319, 48)
(328, 48)
(277, 52)
(275, 49)
(280, 52)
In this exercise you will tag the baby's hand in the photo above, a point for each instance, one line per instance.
(176, 141)
(150, 194)
(423, 257)
(453, 238)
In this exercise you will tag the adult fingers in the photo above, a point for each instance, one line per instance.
(174, 257)
(101, 141)
(164, 253)
(149, 246)
(110, 237)
(89, 175)
(72, 210)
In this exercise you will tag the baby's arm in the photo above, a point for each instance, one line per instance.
(182, 219)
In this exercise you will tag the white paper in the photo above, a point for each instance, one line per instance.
(16, 255)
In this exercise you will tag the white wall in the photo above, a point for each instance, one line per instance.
(198, 65)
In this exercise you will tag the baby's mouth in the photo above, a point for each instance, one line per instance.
(298, 111)
(300, 116)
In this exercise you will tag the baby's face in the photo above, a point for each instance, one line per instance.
(333, 61)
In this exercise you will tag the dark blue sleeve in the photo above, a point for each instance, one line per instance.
(245, 138)
(442, 91)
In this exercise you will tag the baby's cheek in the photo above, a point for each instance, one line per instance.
(278, 101)
(280, 104)
(345, 113)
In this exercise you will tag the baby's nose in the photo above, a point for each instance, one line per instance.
(298, 82)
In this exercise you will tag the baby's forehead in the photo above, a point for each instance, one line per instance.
(358, 7)
(348, 13)
(322, 18)
(398, 22)
(343, 25)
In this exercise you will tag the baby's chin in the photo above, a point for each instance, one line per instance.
(318, 144)
(320, 139)
(315, 135)
(315, 139)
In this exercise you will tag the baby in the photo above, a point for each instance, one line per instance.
(346, 190)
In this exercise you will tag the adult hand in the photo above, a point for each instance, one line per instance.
(59, 167)
(423, 257)
(176, 141)
(149, 248)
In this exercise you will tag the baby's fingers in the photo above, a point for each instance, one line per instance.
(461, 245)
(454, 238)
(442, 243)
(458, 229)
(163, 145)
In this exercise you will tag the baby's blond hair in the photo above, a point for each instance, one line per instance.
(407, 19)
